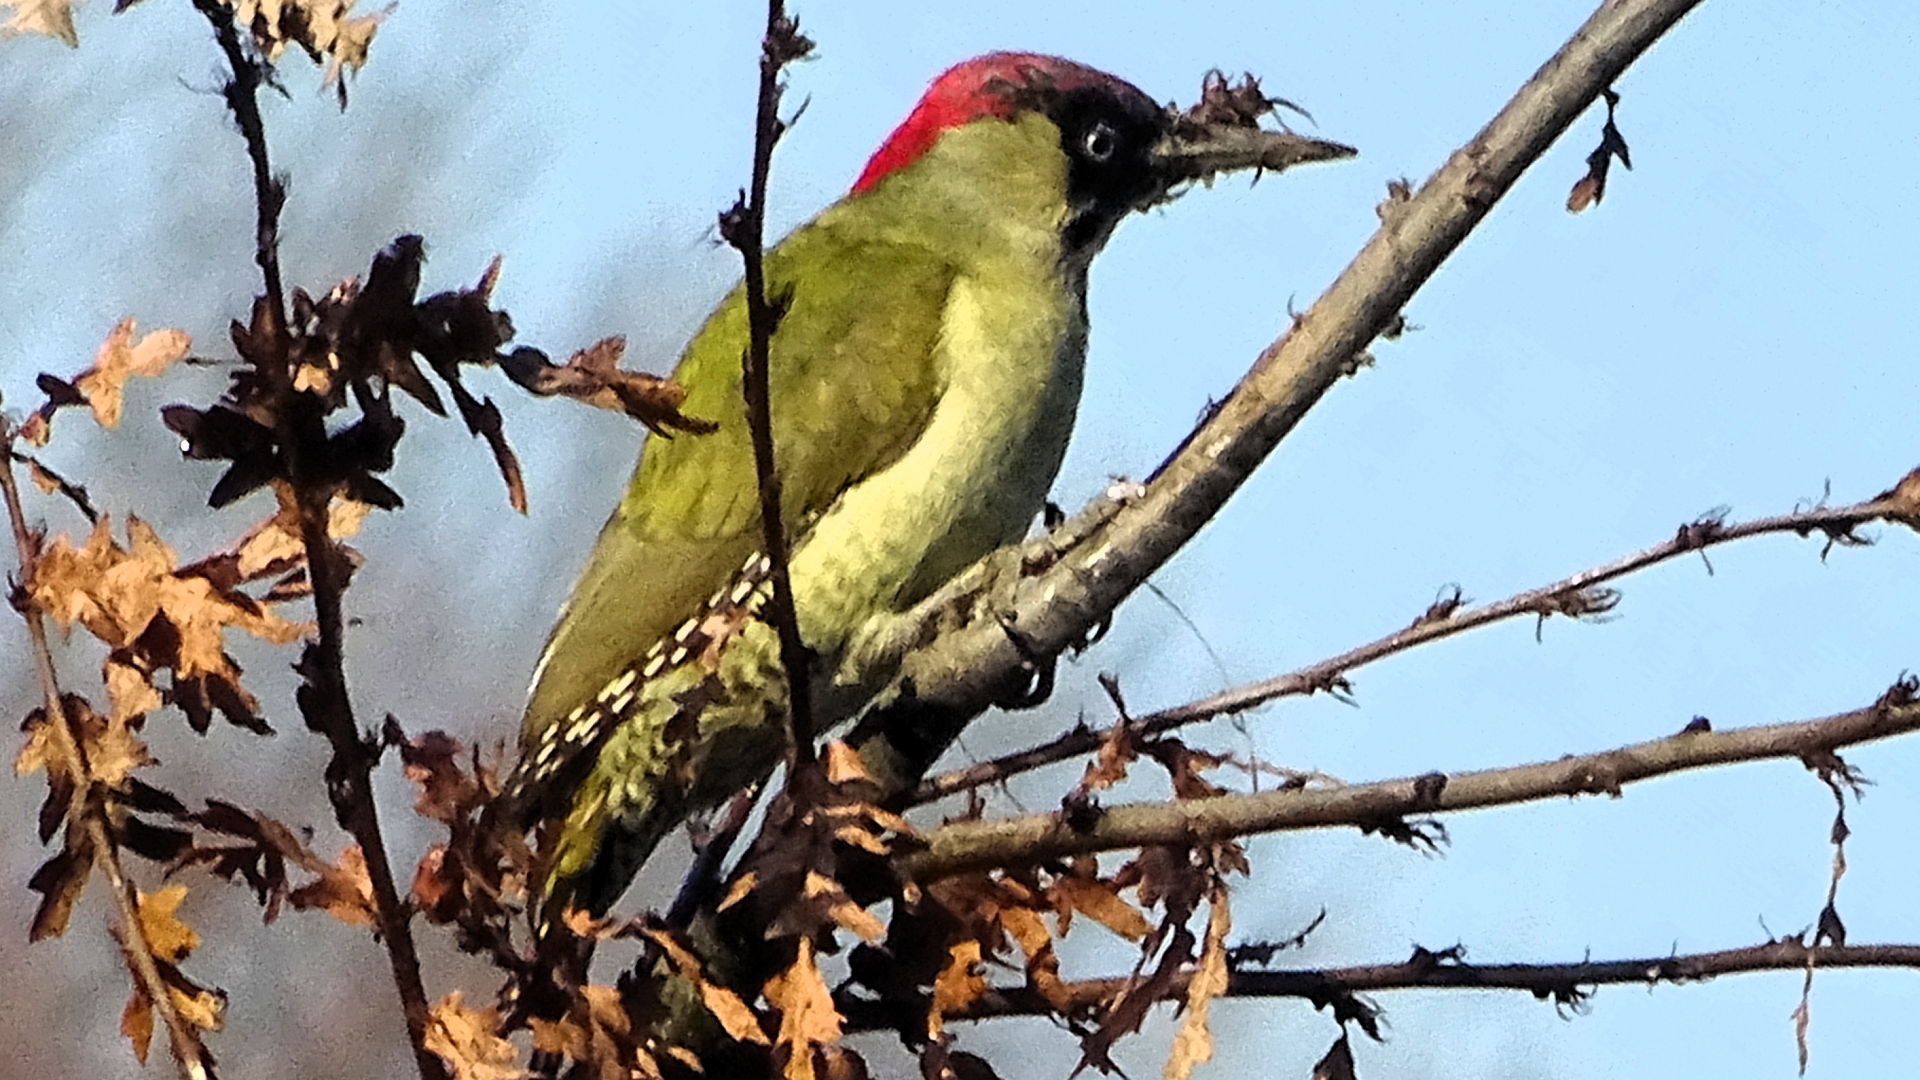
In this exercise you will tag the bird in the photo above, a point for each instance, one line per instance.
(924, 378)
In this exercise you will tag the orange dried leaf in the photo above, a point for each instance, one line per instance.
(736, 892)
(807, 1017)
(843, 763)
(343, 891)
(203, 1008)
(130, 689)
(1098, 901)
(729, 1008)
(167, 937)
(1193, 1043)
(468, 1041)
(120, 358)
(864, 839)
(33, 753)
(1117, 751)
(841, 907)
(136, 1023)
(960, 983)
(1582, 195)
(53, 18)
(112, 751)
(48, 483)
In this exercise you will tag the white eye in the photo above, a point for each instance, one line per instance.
(1099, 142)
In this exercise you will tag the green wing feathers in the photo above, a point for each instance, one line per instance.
(853, 382)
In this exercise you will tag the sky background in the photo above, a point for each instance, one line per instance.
(1727, 330)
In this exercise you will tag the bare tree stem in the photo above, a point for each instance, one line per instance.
(747, 234)
(1575, 596)
(973, 845)
(1565, 984)
(87, 809)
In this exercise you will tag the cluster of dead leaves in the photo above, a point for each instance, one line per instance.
(327, 30)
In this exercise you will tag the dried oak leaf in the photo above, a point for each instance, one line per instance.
(597, 1033)
(155, 617)
(468, 1041)
(119, 359)
(325, 29)
(1119, 748)
(265, 848)
(170, 941)
(53, 18)
(735, 1017)
(1193, 1043)
(960, 983)
(169, 938)
(448, 793)
(59, 882)
(1099, 901)
(808, 1020)
(593, 376)
(343, 890)
(106, 743)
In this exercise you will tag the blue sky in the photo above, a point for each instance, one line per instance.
(1727, 329)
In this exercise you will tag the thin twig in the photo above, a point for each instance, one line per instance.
(1385, 805)
(269, 194)
(1565, 984)
(87, 809)
(302, 433)
(1575, 596)
(329, 710)
(744, 228)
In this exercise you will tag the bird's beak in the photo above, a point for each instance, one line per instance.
(1198, 151)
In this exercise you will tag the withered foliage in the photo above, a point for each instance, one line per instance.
(1590, 189)
(815, 933)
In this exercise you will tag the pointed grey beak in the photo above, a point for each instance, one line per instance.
(1199, 151)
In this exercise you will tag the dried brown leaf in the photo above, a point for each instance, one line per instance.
(960, 983)
(1193, 1043)
(168, 938)
(53, 18)
(343, 891)
(33, 753)
(468, 1041)
(136, 1023)
(447, 792)
(843, 763)
(593, 376)
(841, 907)
(59, 882)
(1100, 902)
(1118, 749)
(120, 358)
(735, 1017)
(130, 689)
(808, 1019)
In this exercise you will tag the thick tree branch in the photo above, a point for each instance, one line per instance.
(1576, 596)
(960, 651)
(973, 845)
(980, 648)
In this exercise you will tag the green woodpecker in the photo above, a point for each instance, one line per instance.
(924, 380)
